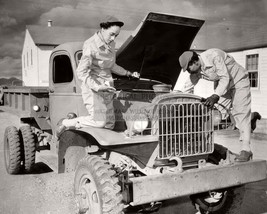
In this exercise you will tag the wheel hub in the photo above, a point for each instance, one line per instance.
(83, 204)
(87, 198)
(214, 197)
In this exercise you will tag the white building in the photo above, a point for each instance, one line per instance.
(255, 61)
(41, 40)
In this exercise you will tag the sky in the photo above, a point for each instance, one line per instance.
(226, 21)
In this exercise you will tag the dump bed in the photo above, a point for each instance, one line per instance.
(28, 103)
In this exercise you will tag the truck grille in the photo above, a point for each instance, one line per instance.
(185, 129)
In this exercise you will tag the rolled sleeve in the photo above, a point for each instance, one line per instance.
(116, 69)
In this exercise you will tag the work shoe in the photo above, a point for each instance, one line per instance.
(71, 115)
(60, 128)
(244, 156)
(254, 117)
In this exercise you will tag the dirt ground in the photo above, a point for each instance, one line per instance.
(46, 192)
(41, 192)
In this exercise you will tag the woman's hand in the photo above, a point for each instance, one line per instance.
(134, 74)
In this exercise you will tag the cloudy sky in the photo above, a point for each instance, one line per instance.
(226, 21)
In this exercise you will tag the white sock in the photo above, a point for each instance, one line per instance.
(69, 122)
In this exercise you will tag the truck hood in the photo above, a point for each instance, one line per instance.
(154, 47)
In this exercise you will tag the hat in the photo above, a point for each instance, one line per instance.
(185, 58)
(112, 19)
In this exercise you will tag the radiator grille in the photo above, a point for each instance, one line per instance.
(185, 129)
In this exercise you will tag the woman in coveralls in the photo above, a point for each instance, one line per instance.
(231, 83)
(94, 70)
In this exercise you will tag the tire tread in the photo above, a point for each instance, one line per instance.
(12, 134)
(29, 142)
(107, 184)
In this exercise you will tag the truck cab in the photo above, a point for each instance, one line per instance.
(64, 87)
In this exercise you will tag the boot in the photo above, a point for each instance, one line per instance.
(60, 127)
(244, 156)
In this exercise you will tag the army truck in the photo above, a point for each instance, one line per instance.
(162, 146)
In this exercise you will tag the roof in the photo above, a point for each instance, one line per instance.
(248, 40)
(55, 35)
(70, 47)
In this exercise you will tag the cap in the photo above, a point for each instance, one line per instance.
(184, 59)
(112, 19)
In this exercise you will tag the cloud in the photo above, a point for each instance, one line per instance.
(68, 16)
(6, 20)
(90, 13)
(85, 16)
(10, 67)
(12, 45)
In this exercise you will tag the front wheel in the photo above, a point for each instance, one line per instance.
(221, 201)
(96, 188)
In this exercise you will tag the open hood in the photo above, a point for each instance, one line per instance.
(155, 46)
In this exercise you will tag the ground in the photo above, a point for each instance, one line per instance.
(46, 192)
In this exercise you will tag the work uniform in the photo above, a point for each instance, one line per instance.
(231, 84)
(94, 69)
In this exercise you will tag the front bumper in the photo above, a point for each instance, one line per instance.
(171, 185)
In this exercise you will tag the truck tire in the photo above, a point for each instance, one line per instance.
(13, 151)
(96, 188)
(29, 143)
(223, 201)
(220, 202)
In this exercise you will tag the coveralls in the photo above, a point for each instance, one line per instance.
(94, 69)
(231, 84)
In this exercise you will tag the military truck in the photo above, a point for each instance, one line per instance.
(162, 146)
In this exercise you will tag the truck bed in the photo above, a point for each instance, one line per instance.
(19, 100)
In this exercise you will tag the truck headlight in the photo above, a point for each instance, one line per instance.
(140, 123)
(217, 117)
(36, 108)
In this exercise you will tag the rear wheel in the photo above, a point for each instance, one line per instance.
(13, 151)
(29, 142)
(96, 188)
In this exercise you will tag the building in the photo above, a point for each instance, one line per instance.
(41, 40)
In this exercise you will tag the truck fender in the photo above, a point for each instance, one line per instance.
(72, 147)
(30, 121)
(107, 137)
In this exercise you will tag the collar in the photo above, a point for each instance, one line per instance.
(101, 43)
(204, 61)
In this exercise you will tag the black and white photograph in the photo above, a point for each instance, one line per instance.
(133, 107)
